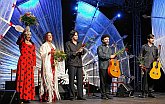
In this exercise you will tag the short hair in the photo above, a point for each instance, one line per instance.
(150, 36)
(104, 36)
(72, 33)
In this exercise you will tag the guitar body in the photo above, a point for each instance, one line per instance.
(155, 71)
(114, 68)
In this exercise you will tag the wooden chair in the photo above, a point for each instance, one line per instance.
(12, 72)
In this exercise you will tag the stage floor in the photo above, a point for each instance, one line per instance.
(160, 99)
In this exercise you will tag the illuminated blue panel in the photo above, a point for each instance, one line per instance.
(158, 27)
(29, 4)
(87, 10)
(92, 24)
(48, 13)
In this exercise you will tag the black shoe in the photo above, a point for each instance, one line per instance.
(109, 97)
(151, 96)
(142, 96)
(72, 98)
(26, 101)
(104, 97)
(80, 98)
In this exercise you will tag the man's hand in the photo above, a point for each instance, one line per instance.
(80, 50)
(113, 56)
(142, 67)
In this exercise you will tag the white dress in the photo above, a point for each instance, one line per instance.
(49, 81)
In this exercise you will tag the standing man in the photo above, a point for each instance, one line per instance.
(149, 54)
(74, 51)
(104, 52)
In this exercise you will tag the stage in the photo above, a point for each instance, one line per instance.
(160, 99)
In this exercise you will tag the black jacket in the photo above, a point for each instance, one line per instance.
(149, 55)
(73, 58)
(104, 54)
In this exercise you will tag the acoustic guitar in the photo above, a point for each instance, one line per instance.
(155, 71)
(114, 66)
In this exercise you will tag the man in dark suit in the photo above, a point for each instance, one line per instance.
(149, 54)
(74, 51)
(104, 52)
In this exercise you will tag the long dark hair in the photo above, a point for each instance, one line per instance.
(149, 36)
(72, 33)
(45, 36)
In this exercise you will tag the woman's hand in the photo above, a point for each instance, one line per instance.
(52, 52)
(34, 67)
(59, 59)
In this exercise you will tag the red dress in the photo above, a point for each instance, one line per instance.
(25, 73)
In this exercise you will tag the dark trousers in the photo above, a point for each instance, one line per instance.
(105, 82)
(147, 83)
(75, 71)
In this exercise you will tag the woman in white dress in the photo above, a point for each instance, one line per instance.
(49, 81)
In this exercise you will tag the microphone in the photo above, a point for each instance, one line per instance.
(145, 16)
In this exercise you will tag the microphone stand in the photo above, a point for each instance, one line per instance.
(93, 94)
(145, 16)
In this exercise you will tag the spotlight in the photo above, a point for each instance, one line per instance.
(76, 8)
(118, 15)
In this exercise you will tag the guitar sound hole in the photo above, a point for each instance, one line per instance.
(115, 71)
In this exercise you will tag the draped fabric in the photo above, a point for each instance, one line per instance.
(49, 16)
(49, 80)
(158, 27)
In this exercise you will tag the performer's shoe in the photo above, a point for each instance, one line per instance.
(109, 97)
(151, 95)
(81, 98)
(142, 96)
(104, 97)
(72, 98)
(25, 101)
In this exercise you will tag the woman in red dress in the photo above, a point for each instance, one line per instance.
(25, 68)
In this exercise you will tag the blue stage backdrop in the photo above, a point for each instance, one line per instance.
(49, 15)
(158, 27)
(90, 23)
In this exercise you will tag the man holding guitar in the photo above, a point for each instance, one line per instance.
(104, 52)
(149, 54)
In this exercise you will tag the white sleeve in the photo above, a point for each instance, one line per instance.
(43, 51)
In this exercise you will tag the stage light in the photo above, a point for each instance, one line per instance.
(76, 8)
(29, 4)
(118, 15)
(115, 17)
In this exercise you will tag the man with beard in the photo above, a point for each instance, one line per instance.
(104, 52)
